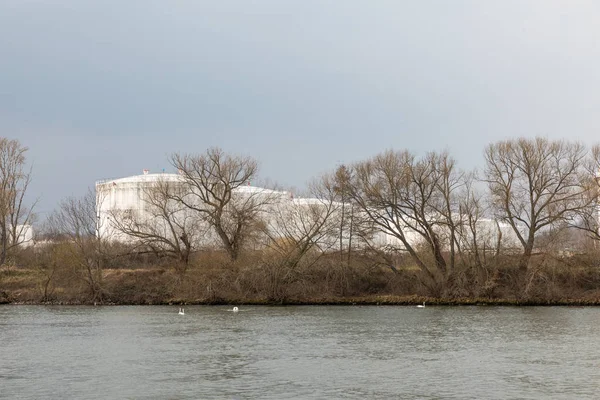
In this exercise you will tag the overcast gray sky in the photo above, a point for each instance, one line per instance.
(102, 89)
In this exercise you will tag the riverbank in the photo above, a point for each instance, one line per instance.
(215, 282)
(376, 300)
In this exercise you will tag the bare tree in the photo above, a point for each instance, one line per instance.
(217, 193)
(481, 238)
(298, 231)
(589, 215)
(338, 186)
(47, 266)
(405, 196)
(472, 209)
(446, 200)
(536, 184)
(76, 219)
(164, 225)
(15, 216)
(357, 234)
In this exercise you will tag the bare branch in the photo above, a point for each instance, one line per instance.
(15, 217)
(536, 184)
(212, 179)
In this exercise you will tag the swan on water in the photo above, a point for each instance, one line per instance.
(421, 305)
(181, 311)
(235, 309)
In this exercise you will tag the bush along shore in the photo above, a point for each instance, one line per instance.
(54, 276)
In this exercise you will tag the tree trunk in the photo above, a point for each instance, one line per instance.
(3, 250)
(230, 248)
(526, 256)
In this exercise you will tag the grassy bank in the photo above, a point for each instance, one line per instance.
(211, 279)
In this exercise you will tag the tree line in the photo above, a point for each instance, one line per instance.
(543, 190)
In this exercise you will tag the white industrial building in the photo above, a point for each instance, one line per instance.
(132, 197)
(123, 196)
(283, 215)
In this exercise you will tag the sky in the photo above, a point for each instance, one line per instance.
(104, 89)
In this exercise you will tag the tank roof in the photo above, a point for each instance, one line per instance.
(257, 189)
(170, 177)
(143, 178)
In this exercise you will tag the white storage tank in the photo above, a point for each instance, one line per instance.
(24, 235)
(126, 195)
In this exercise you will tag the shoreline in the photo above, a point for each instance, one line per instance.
(350, 301)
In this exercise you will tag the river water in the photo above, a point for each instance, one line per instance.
(312, 352)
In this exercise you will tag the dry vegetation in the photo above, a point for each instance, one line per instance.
(52, 275)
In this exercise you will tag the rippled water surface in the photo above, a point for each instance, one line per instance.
(299, 353)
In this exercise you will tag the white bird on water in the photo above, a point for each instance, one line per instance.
(235, 309)
(421, 305)
(181, 311)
